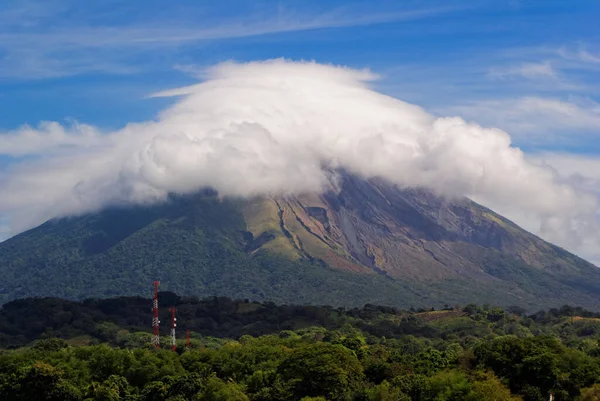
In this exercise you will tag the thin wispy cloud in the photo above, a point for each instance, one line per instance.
(546, 97)
(66, 49)
(136, 36)
(579, 55)
(566, 69)
(537, 120)
(543, 70)
(563, 57)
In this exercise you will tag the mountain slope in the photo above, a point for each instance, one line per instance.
(415, 236)
(367, 242)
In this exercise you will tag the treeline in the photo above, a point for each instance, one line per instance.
(25, 320)
(249, 351)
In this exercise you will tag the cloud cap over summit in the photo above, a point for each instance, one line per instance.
(277, 127)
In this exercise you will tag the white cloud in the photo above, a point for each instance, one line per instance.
(48, 137)
(582, 173)
(574, 115)
(527, 70)
(580, 55)
(535, 118)
(589, 57)
(278, 127)
(579, 171)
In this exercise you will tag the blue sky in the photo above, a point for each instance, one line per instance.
(529, 67)
(95, 61)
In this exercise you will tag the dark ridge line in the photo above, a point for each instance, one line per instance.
(427, 251)
(290, 236)
(282, 225)
(299, 220)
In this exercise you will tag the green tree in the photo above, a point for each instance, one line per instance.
(332, 371)
(489, 388)
(385, 392)
(51, 344)
(42, 382)
(187, 385)
(415, 386)
(217, 390)
(590, 393)
(115, 388)
(449, 386)
(155, 391)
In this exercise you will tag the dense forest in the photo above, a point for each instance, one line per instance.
(100, 350)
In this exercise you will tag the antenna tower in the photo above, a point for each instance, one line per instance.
(155, 321)
(173, 325)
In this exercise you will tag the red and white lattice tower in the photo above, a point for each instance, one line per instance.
(173, 325)
(188, 341)
(155, 321)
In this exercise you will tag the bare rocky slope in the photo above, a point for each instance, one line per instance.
(413, 235)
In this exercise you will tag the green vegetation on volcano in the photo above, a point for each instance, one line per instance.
(369, 243)
(194, 245)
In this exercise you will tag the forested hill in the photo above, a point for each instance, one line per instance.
(244, 350)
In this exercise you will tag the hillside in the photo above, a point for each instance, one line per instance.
(368, 242)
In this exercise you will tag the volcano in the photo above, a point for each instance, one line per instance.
(366, 241)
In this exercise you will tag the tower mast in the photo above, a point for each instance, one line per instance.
(173, 325)
(155, 321)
